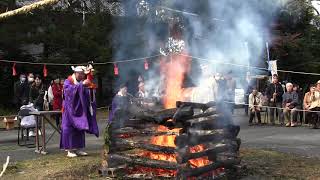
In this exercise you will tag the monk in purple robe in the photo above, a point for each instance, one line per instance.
(79, 113)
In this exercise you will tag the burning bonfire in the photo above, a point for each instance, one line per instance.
(183, 141)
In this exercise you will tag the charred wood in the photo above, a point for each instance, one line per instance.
(143, 161)
(231, 132)
(141, 132)
(123, 143)
(193, 172)
(184, 154)
(201, 106)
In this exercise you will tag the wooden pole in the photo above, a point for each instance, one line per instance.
(28, 8)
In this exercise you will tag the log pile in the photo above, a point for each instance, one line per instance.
(193, 124)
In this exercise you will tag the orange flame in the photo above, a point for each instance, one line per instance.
(199, 162)
(174, 70)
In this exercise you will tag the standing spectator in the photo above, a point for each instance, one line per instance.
(30, 78)
(21, 91)
(255, 103)
(140, 79)
(290, 101)
(57, 98)
(297, 89)
(231, 87)
(62, 82)
(274, 94)
(315, 106)
(36, 94)
(141, 91)
(307, 102)
(249, 87)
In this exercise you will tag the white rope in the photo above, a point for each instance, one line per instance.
(80, 64)
(271, 107)
(250, 67)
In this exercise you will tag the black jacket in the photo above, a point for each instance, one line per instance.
(272, 88)
(36, 95)
(21, 92)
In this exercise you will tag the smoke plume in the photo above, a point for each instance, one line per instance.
(217, 34)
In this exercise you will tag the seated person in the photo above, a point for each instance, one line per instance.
(28, 121)
(255, 103)
(315, 106)
(290, 100)
(307, 102)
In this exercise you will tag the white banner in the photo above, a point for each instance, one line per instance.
(273, 67)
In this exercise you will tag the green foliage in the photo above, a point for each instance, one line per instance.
(64, 38)
(298, 43)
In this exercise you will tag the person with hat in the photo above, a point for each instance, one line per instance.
(78, 113)
(315, 106)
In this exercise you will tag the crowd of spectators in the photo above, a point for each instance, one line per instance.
(286, 104)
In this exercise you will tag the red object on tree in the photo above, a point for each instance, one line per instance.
(45, 71)
(116, 70)
(14, 72)
(146, 65)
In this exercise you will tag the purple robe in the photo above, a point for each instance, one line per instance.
(76, 116)
(119, 103)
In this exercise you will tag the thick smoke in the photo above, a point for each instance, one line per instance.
(222, 31)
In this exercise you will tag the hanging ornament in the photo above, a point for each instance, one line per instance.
(116, 70)
(143, 8)
(45, 71)
(174, 46)
(14, 72)
(146, 65)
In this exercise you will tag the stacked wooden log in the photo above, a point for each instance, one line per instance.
(195, 125)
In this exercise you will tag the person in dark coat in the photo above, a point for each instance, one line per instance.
(274, 94)
(36, 93)
(21, 91)
(120, 107)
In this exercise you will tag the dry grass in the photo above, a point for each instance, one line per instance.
(274, 165)
(259, 164)
(56, 166)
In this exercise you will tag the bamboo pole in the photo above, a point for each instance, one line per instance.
(28, 8)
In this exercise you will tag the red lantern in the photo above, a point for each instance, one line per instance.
(146, 65)
(116, 70)
(14, 72)
(45, 71)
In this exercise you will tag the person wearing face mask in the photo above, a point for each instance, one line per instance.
(36, 94)
(56, 102)
(30, 78)
(20, 91)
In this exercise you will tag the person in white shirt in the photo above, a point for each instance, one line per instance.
(255, 104)
(28, 121)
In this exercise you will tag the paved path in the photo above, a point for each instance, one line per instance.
(300, 140)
